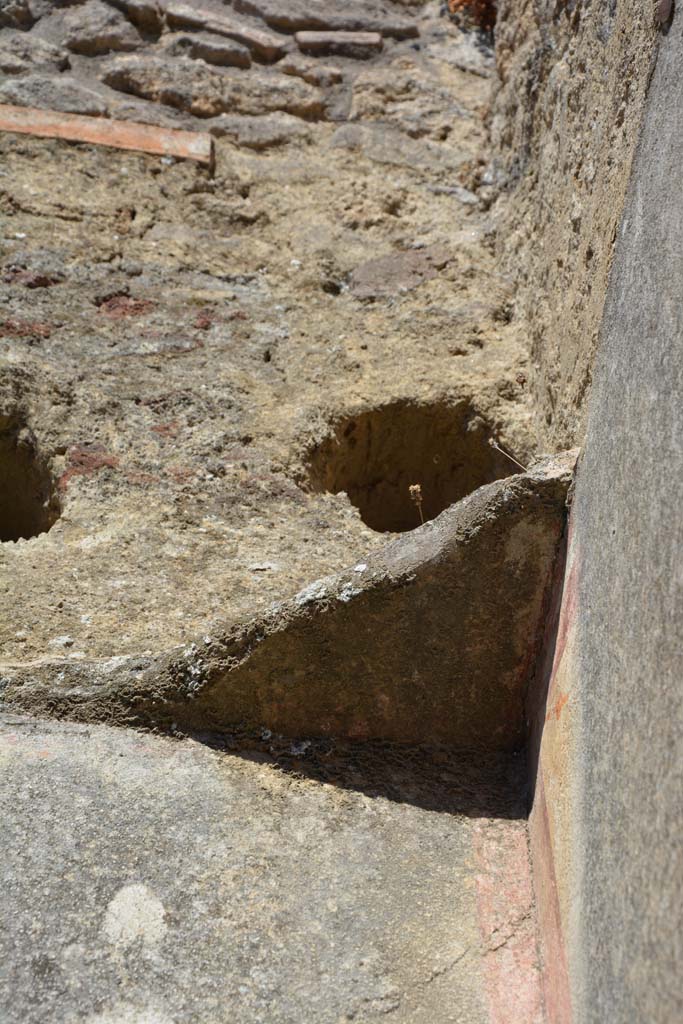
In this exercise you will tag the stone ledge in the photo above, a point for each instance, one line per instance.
(431, 640)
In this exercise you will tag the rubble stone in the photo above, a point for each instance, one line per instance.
(260, 133)
(94, 28)
(321, 15)
(21, 52)
(190, 86)
(312, 71)
(264, 45)
(361, 45)
(145, 14)
(207, 46)
(16, 14)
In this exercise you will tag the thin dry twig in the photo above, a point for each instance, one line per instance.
(494, 444)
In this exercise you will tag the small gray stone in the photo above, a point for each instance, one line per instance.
(359, 45)
(22, 51)
(312, 71)
(53, 93)
(396, 273)
(145, 14)
(259, 133)
(323, 15)
(16, 14)
(207, 46)
(94, 28)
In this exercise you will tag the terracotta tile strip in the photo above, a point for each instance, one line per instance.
(101, 131)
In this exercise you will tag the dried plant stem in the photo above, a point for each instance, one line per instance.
(415, 492)
(494, 444)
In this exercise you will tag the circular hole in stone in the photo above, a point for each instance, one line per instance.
(28, 496)
(376, 456)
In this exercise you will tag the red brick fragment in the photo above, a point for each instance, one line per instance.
(103, 131)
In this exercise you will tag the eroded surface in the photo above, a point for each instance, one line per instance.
(178, 346)
(193, 362)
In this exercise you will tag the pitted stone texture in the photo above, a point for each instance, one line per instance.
(321, 15)
(208, 46)
(95, 27)
(562, 188)
(205, 92)
(21, 52)
(154, 880)
(202, 338)
(265, 45)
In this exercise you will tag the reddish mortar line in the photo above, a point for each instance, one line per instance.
(105, 132)
(567, 612)
(555, 975)
(505, 909)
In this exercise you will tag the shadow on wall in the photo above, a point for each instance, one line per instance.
(377, 456)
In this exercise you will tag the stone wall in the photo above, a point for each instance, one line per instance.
(606, 739)
(572, 81)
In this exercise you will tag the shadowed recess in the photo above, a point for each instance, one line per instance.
(377, 456)
(28, 497)
(473, 783)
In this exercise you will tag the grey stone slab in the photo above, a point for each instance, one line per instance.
(154, 880)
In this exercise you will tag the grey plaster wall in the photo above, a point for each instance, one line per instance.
(626, 942)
